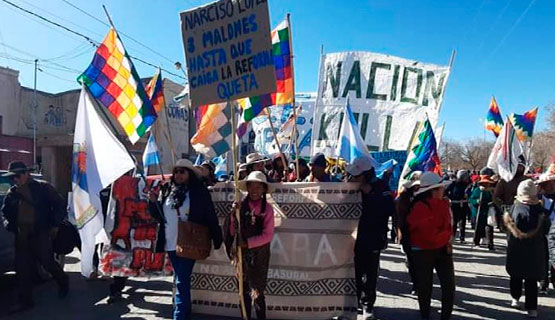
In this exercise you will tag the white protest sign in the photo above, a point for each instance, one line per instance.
(387, 94)
(228, 50)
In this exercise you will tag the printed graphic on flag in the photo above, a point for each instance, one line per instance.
(155, 92)
(114, 82)
(281, 49)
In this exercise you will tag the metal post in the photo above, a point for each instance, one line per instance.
(35, 107)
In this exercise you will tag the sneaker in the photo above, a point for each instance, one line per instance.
(515, 304)
(532, 313)
(368, 315)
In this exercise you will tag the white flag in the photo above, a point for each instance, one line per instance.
(505, 153)
(98, 160)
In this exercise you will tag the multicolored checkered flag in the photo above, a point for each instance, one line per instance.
(214, 134)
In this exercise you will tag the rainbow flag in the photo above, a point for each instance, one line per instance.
(281, 49)
(113, 81)
(214, 133)
(423, 154)
(155, 91)
(524, 124)
(494, 121)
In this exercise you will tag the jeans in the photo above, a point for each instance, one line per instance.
(367, 265)
(530, 292)
(31, 248)
(183, 268)
(425, 261)
(459, 219)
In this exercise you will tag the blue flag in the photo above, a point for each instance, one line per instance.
(151, 155)
(350, 145)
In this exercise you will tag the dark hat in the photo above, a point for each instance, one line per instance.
(318, 160)
(487, 171)
(210, 165)
(15, 167)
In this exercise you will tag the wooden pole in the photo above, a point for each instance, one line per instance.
(237, 211)
(295, 133)
(277, 142)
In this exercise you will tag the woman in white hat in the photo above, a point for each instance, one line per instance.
(257, 231)
(526, 246)
(172, 204)
(430, 232)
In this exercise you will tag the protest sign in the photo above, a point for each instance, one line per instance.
(387, 94)
(133, 234)
(311, 273)
(228, 50)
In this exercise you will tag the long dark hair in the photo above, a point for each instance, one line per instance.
(245, 203)
(179, 191)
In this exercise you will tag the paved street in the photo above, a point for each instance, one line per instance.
(482, 292)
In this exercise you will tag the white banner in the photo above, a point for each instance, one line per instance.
(311, 272)
(264, 142)
(387, 94)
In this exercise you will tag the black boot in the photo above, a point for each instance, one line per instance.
(248, 305)
(260, 307)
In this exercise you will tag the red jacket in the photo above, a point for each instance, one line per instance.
(429, 224)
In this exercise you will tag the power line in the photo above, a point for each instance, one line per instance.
(120, 32)
(93, 42)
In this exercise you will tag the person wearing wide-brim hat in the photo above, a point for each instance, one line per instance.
(480, 201)
(546, 184)
(528, 225)
(257, 231)
(184, 198)
(430, 231)
(458, 198)
(255, 162)
(34, 212)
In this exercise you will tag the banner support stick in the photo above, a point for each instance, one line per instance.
(237, 211)
(277, 142)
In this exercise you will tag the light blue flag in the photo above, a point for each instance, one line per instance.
(350, 145)
(221, 167)
(151, 156)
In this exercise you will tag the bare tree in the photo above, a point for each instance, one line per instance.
(449, 154)
(475, 152)
(543, 149)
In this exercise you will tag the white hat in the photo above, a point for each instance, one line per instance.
(412, 180)
(549, 175)
(185, 163)
(527, 192)
(255, 158)
(255, 176)
(359, 166)
(430, 180)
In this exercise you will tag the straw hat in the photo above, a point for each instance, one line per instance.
(527, 192)
(430, 180)
(359, 166)
(255, 157)
(185, 163)
(255, 176)
(548, 175)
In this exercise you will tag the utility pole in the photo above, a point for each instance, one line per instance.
(35, 107)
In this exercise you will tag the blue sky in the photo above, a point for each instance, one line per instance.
(504, 47)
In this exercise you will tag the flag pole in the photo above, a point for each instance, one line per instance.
(295, 133)
(277, 142)
(237, 210)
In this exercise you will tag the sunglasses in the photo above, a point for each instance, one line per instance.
(179, 171)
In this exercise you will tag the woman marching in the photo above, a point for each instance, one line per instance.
(257, 231)
(174, 208)
(430, 232)
(480, 201)
(526, 248)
